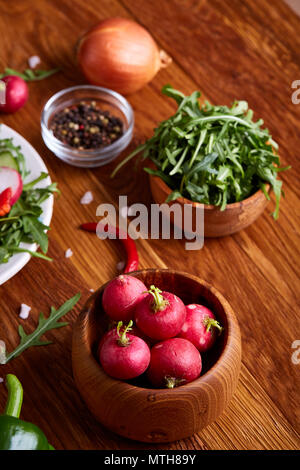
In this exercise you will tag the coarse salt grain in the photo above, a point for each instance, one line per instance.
(92, 290)
(2, 352)
(1, 380)
(68, 253)
(120, 265)
(24, 311)
(87, 198)
(33, 61)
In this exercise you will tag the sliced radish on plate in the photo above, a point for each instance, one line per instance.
(10, 178)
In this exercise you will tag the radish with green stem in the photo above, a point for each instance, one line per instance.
(121, 296)
(160, 315)
(200, 327)
(133, 331)
(174, 362)
(122, 355)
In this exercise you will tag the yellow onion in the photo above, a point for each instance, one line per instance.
(120, 54)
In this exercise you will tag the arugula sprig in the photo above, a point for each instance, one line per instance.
(30, 75)
(44, 325)
(23, 224)
(212, 154)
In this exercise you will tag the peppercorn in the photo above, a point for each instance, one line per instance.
(86, 126)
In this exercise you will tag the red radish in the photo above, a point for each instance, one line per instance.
(11, 179)
(16, 93)
(200, 327)
(133, 331)
(122, 355)
(160, 315)
(121, 296)
(174, 362)
(104, 338)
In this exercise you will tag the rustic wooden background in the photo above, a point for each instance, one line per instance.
(229, 49)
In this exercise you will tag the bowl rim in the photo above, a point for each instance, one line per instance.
(93, 154)
(235, 205)
(232, 324)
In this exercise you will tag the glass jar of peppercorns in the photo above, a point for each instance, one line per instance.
(87, 126)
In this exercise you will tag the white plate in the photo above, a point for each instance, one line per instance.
(35, 165)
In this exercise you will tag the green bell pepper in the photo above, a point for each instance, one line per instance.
(16, 434)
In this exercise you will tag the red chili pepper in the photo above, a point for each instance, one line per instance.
(128, 243)
(5, 198)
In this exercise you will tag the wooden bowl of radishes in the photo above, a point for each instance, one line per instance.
(156, 355)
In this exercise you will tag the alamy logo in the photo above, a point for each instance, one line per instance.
(154, 223)
(296, 94)
(2, 92)
(296, 354)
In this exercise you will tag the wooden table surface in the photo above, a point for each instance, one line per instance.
(229, 49)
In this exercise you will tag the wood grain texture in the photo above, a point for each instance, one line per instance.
(135, 410)
(229, 50)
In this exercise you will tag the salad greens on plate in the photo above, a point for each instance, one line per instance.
(23, 224)
(212, 154)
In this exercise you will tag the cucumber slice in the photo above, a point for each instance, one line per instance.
(6, 159)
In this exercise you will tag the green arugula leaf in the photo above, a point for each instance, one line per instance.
(30, 75)
(30, 185)
(44, 325)
(36, 229)
(173, 195)
(15, 249)
(4, 254)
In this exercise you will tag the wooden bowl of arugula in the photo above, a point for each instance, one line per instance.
(216, 158)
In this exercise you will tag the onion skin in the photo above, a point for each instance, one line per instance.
(120, 54)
